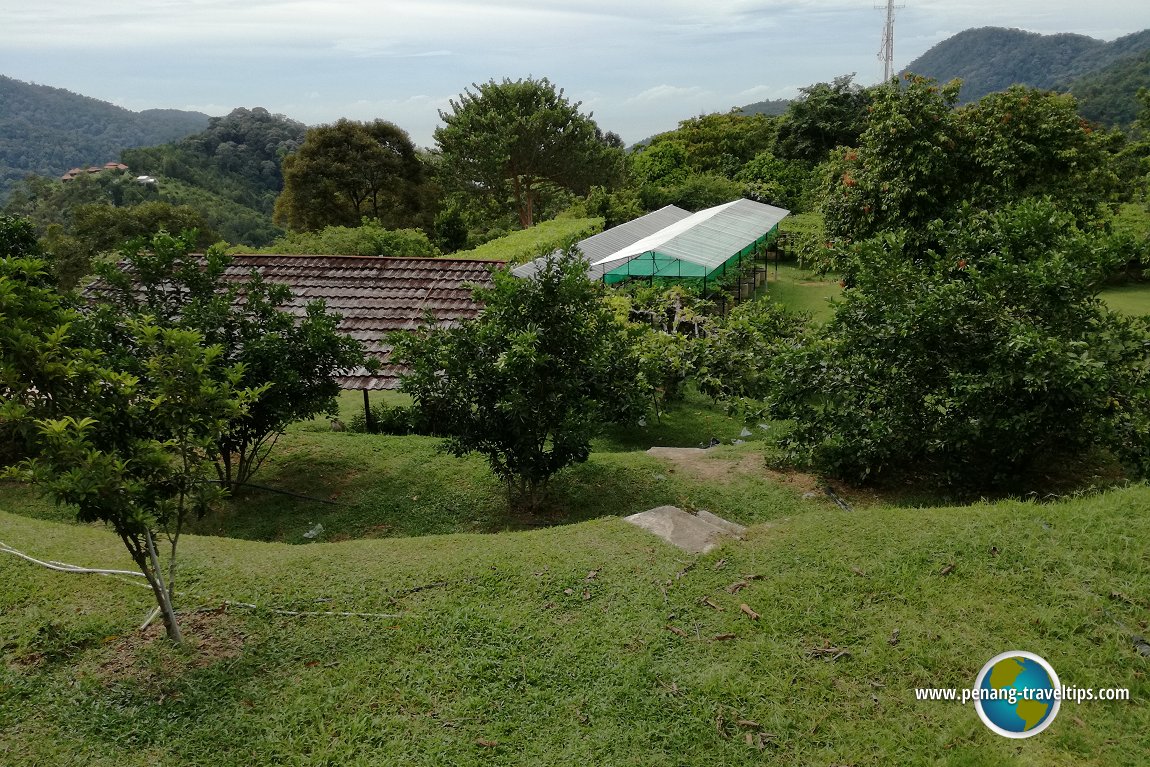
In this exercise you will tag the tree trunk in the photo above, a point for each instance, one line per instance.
(156, 581)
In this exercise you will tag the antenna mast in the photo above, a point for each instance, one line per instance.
(886, 53)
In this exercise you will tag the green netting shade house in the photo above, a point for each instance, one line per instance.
(704, 245)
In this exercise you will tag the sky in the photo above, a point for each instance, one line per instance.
(638, 66)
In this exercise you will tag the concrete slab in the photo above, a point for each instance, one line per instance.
(696, 533)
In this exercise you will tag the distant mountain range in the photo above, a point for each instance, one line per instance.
(1104, 75)
(47, 131)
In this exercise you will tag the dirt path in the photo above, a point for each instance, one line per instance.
(711, 465)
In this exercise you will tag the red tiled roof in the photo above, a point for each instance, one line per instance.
(374, 296)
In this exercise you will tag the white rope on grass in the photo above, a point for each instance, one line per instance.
(66, 568)
(63, 567)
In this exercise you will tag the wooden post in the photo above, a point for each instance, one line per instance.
(369, 424)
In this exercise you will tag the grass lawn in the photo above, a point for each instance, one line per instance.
(526, 244)
(1131, 299)
(552, 646)
(802, 290)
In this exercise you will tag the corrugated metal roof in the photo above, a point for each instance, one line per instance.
(373, 295)
(708, 238)
(598, 246)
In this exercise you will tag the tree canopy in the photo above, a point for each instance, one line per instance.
(295, 359)
(510, 139)
(921, 160)
(529, 382)
(348, 170)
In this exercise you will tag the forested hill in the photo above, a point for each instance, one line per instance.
(47, 131)
(991, 59)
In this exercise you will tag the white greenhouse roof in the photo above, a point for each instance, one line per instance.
(598, 246)
(708, 238)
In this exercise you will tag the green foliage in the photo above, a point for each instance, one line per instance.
(397, 420)
(614, 208)
(236, 157)
(783, 183)
(36, 370)
(663, 163)
(137, 456)
(102, 229)
(919, 160)
(370, 238)
(46, 131)
(529, 382)
(1110, 96)
(905, 171)
(737, 357)
(973, 362)
(993, 59)
(696, 192)
(518, 139)
(349, 170)
(824, 117)
(696, 165)
(1026, 143)
(295, 359)
(719, 143)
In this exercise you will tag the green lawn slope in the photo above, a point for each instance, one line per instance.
(553, 647)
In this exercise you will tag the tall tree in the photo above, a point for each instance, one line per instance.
(350, 170)
(974, 363)
(825, 116)
(513, 138)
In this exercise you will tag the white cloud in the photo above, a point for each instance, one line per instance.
(667, 92)
(640, 65)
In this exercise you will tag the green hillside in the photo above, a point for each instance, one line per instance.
(990, 59)
(578, 644)
(47, 131)
(1109, 96)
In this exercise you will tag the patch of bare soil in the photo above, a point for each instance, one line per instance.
(709, 465)
(146, 656)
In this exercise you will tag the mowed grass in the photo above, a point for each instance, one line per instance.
(1132, 299)
(320, 485)
(526, 244)
(802, 290)
(552, 646)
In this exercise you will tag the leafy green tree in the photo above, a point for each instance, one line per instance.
(718, 143)
(972, 363)
(825, 116)
(920, 160)
(696, 192)
(103, 229)
(35, 361)
(905, 172)
(736, 357)
(665, 164)
(137, 456)
(515, 139)
(296, 359)
(1023, 142)
(370, 238)
(349, 170)
(784, 183)
(530, 381)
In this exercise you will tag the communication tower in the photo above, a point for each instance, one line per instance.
(886, 53)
